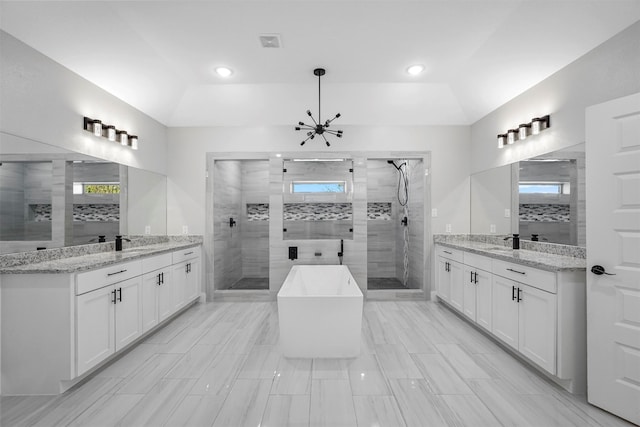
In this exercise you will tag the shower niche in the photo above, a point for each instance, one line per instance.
(317, 199)
(395, 224)
(241, 224)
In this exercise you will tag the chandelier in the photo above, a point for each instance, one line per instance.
(319, 128)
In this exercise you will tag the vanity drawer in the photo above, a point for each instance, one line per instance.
(96, 279)
(185, 254)
(541, 279)
(477, 261)
(452, 254)
(156, 262)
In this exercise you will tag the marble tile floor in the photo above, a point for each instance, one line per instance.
(219, 364)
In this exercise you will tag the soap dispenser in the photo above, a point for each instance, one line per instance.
(516, 241)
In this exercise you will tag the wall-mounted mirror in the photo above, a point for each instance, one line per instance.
(544, 196)
(42, 185)
(551, 197)
(491, 193)
(318, 195)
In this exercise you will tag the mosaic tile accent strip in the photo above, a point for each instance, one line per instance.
(317, 211)
(545, 213)
(86, 213)
(257, 211)
(379, 211)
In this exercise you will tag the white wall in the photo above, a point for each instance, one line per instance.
(449, 147)
(609, 71)
(43, 101)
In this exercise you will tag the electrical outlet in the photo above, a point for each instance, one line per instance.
(492, 228)
(448, 228)
(185, 229)
(507, 213)
(147, 229)
(434, 212)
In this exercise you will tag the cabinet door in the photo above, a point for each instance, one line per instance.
(128, 311)
(537, 322)
(504, 310)
(95, 327)
(179, 274)
(166, 305)
(192, 285)
(483, 299)
(456, 296)
(151, 283)
(469, 293)
(443, 279)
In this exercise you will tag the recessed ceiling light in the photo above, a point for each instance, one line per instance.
(414, 70)
(224, 71)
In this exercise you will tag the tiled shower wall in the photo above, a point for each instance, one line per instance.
(227, 240)
(254, 234)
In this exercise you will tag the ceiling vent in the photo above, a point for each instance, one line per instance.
(270, 40)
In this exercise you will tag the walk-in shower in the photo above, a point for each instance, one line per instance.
(395, 230)
(241, 224)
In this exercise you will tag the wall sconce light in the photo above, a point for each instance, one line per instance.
(502, 140)
(110, 132)
(537, 125)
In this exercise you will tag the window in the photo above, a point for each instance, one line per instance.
(318, 187)
(544, 188)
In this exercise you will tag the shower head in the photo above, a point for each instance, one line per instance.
(391, 162)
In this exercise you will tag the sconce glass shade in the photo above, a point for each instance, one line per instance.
(111, 133)
(511, 136)
(123, 138)
(502, 140)
(97, 127)
(133, 141)
(523, 131)
(536, 125)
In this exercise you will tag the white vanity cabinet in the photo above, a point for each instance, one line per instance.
(157, 290)
(108, 312)
(185, 275)
(449, 276)
(525, 310)
(477, 289)
(108, 319)
(540, 314)
(73, 320)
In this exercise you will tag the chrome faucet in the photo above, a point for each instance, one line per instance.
(341, 253)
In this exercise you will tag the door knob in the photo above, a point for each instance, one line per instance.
(599, 270)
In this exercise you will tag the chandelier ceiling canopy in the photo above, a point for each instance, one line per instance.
(319, 128)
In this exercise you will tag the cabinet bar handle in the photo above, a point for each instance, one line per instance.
(519, 293)
(513, 293)
(113, 292)
(516, 271)
(471, 278)
(162, 278)
(188, 253)
(159, 282)
(117, 272)
(475, 277)
(120, 294)
(447, 252)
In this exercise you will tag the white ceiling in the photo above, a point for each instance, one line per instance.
(159, 56)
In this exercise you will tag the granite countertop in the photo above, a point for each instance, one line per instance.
(93, 261)
(541, 260)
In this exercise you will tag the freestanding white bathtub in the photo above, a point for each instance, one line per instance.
(320, 312)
